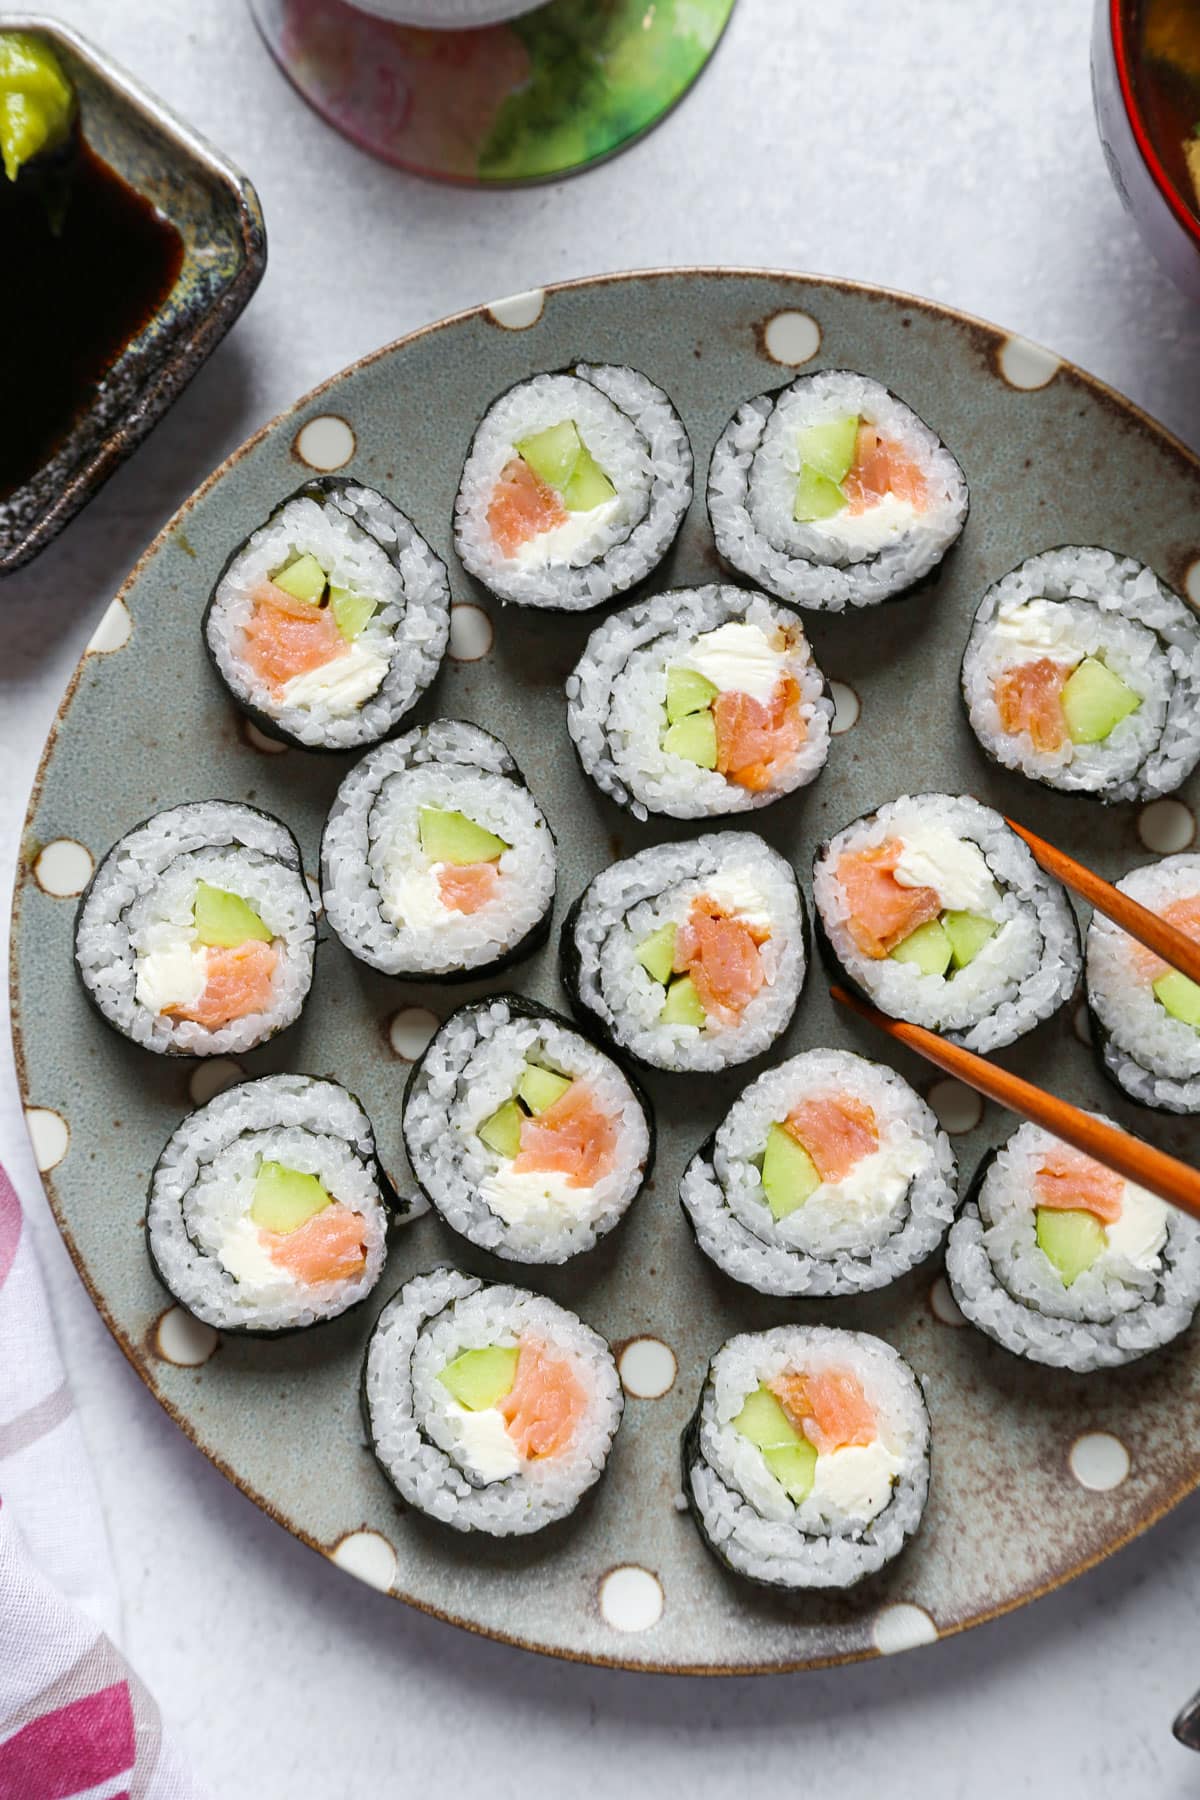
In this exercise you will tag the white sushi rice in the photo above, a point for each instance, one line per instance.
(637, 438)
(363, 543)
(411, 1415)
(140, 902)
(617, 695)
(850, 1236)
(745, 1514)
(1139, 1294)
(379, 889)
(1154, 1057)
(1025, 971)
(630, 900)
(471, 1068)
(1073, 603)
(842, 561)
(201, 1239)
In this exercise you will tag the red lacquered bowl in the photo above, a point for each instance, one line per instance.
(1168, 226)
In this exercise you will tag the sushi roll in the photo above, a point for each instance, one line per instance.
(195, 935)
(832, 493)
(690, 956)
(436, 859)
(699, 702)
(574, 488)
(1063, 1262)
(488, 1407)
(525, 1137)
(806, 1464)
(331, 620)
(829, 1175)
(936, 911)
(1146, 1015)
(268, 1210)
(1082, 671)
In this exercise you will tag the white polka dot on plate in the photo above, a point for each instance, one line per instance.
(410, 1030)
(791, 338)
(517, 312)
(369, 1556)
(1166, 827)
(902, 1627)
(1081, 1023)
(647, 1368)
(1099, 1461)
(258, 740)
(943, 1305)
(631, 1599)
(325, 443)
(212, 1077)
(63, 868)
(846, 707)
(112, 633)
(958, 1107)
(1027, 365)
(1191, 583)
(49, 1134)
(470, 632)
(183, 1340)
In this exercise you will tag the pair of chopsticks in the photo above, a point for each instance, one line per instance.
(1130, 1157)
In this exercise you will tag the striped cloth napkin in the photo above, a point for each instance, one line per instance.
(75, 1721)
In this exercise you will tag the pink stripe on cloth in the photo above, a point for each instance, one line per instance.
(10, 1224)
(67, 1751)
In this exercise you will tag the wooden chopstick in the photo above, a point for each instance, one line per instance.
(1164, 1175)
(1137, 920)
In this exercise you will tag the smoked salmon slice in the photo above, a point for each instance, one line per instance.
(522, 507)
(756, 741)
(544, 1404)
(721, 954)
(238, 983)
(837, 1130)
(287, 637)
(572, 1137)
(1184, 914)
(468, 887)
(830, 1408)
(1069, 1181)
(1029, 698)
(879, 468)
(882, 912)
(331, 1246)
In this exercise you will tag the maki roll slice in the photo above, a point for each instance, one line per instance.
(829, 1175)
(935, 910)
(699, 702)
(488, 1407)
(195, 935)
(574, 488)
(832, 493)
(806, 1464)
(1145, 1014)
(526, 1138)
(1082, 671)
(690, 956)
(436, 859)
(268, 1209)
(1063, 1262)
(331, 620)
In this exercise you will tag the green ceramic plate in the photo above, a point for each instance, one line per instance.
(1036, 1475)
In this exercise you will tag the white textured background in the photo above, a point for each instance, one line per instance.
(943, 146)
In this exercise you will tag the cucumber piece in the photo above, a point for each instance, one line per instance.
(688, 692)
(968, 932)
(789, 1174)
(589, 486)
(351, 611)
(539, 1088)
(657, 954)
(479, 1378)
(303, 579)
(1094, 701)
(553, 454)
(285, 1199)
(450, 837)
(502, 1131)
(928, 947)
(224, 920)
(1180, 995)
(816, 497)
(693, 738)
(764, 1421)
(684, 1005)
(794, 1467)
(1071, 1240)
(828, 449)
